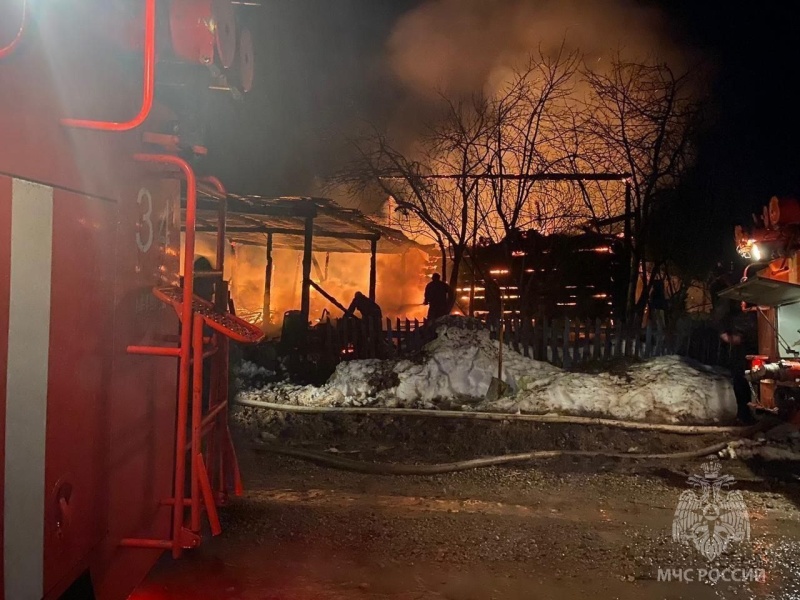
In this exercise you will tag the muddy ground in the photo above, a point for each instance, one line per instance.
(562, 528)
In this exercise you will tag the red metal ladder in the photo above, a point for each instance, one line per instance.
(213, 472)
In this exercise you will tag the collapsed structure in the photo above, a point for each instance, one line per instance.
(559, 275)
(292, 234)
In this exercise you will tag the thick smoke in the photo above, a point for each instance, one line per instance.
(463, 46)
(455, 48)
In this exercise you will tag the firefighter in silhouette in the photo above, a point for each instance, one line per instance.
(369, 309)
(203, 286)
(658, 303)
(493, 304)
(438, 297)
(739, 329)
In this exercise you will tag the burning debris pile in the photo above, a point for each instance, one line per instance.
(456, 369)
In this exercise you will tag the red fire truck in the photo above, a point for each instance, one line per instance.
(112, 450)
(770, 288)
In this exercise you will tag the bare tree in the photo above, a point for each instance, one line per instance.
(481, 168)
(526, 116)
(471, 172)
(441, 209)
(639, 118)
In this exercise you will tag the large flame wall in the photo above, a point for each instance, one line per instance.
(401, 280)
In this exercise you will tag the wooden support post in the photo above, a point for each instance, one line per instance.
(308, 240)
(403, 272)
(373, 248)
(633, 270)
(268, 283)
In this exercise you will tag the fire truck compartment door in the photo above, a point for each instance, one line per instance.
(763, 292)
(789, 327)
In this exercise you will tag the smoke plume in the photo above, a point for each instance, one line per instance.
(464, 46)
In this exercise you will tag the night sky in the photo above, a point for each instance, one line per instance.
(751, 150)
(320, 71)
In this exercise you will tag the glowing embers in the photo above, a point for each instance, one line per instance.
(598, 250)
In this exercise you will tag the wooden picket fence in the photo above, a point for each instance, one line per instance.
(571, 343)
(565, 343)
(355, 338)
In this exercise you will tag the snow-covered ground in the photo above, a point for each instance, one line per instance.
(457, 368)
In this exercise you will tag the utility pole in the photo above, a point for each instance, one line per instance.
(472, 254)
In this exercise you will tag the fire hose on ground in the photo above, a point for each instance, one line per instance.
(491, 416)
(345, 464)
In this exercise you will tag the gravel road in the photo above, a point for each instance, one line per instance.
(562, 528)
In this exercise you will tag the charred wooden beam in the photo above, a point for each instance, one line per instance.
(373, 268)
(264, 229)
(308, 241)
(299, 209)
(339, 235)
(268, 282)
(520, 176)
(328, 297)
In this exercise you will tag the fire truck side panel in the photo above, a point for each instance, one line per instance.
(30, 255)
(88, 429)
(5, 266)
(77, 297)
(142, 411)
(79, 373)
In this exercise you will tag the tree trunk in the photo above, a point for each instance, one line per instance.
(633, 279)
(458, 254)
(443, 250)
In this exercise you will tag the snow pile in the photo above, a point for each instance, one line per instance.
(458, 366)
(667, 389)
(250, 375)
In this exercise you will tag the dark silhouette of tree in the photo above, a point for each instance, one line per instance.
(479, 169)
(640, 118)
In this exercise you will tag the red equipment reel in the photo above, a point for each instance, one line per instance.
(225, 31)
(245, 61)
(198, 27)
(783, 211)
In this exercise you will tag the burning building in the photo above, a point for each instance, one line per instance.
(580, 276)
(311, 255)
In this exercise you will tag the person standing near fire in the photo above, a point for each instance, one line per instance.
(738, 329)
(438, 297)
(368, 308)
